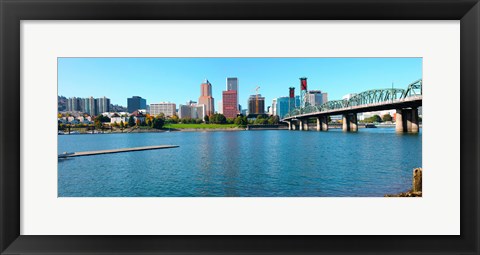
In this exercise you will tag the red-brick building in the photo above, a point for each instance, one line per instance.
(230, 104)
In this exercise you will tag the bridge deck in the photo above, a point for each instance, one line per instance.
(91, 153)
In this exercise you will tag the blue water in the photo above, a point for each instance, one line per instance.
(276, 163)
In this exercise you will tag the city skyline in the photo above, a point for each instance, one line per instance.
(177, 79)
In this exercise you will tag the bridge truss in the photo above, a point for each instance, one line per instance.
(363, 98)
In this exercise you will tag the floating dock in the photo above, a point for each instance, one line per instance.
(91, 153)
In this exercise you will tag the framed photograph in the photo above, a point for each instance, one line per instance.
(211, 126)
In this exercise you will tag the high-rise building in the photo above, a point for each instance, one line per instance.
(282, 106)
(73, 104)
(256, 105)
(316, 97)
(103, 104)
(220, 107)
(93, 106)
(232, 84)
(167, 108)
(274, 107)
(206, 97)
(230, 98)
(136, 103)
(230, 104)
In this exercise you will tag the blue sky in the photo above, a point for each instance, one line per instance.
(178, 79)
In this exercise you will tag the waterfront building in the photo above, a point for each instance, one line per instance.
(103, 104)
(118, 120)
(316, 97)
(206, 97)
(167, 108)
(220, 107)
(191, 110)
(86, 105)
(136, 103)
(138, 116)
(256, 105)
(232, 84)
(93, 106)
(230, 104)
(73, 104)
(274, 107)
(282, 106)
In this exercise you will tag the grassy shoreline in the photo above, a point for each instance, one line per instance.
(200, 126)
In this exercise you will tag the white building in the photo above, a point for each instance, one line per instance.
(274, 107)
(167, 108)
(191, 111)
(220, 107)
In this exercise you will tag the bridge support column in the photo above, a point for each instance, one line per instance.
(353, 122)
(399, 127)
(406, 120)
(305, 127)
(300, 124)
(294, 127)
(319, 127)
(289, 125)
(345, 123)
(414, 121)
(324, 123)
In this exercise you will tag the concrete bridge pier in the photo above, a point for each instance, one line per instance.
(300, 124)
(345, 123)
(406, 121)
(349, 122)
(353, 122)
(399, 121)
(305, 123)
(324, 123)
(415, 126)
(289, 125)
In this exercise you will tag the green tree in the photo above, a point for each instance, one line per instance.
(206, 119)
(174, 118)
(122, 125)
(131, 121)
(376, 118)
(158, 123)
(387, 117)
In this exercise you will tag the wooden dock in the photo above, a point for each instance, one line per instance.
(91, 153)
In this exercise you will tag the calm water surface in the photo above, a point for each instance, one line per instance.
(372, 162)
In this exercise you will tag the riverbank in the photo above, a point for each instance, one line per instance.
(416, 190)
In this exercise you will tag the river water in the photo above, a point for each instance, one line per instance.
(263, 163)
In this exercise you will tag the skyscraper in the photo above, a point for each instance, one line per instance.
(206, 97)
(229, 104)
(232, 84)
(103, 104)
(136, 103)
(230, 98)
(256, 105)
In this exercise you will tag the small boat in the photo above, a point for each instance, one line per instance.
(65, 154)
(370, 126)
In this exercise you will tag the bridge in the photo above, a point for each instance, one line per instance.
(404, 101)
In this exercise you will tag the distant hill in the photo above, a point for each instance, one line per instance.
(62, 103)
(117, 108)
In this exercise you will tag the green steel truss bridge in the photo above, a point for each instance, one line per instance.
(367, 101)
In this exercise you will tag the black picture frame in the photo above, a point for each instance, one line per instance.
(13, 11)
